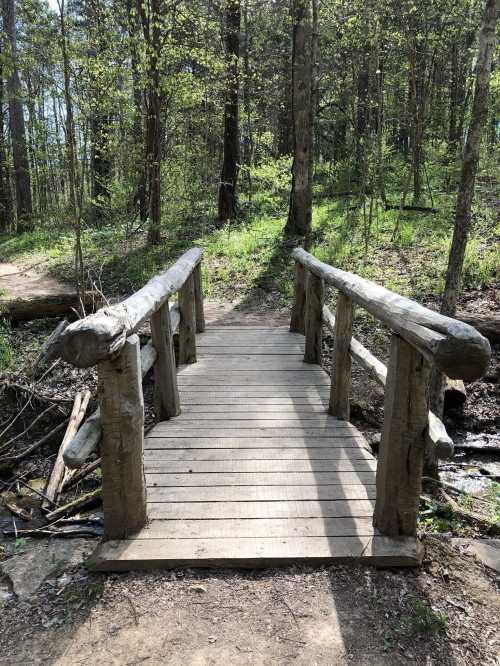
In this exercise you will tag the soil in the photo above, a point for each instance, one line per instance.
(24, 282)
(326, 615)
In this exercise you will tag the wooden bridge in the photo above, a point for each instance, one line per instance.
(253, 461)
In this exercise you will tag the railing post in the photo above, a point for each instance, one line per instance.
(187, 326)
(198, 300)
(400, 462)
(166, 394)
(314, 318)
(299, 300)
(341, 361)
(122, 417)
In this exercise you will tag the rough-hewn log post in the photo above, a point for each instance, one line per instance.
(198, 299)
(122, 417)
(399, 469)
(187, 326)
(166, 392)
(299, 300)
(341, 361)
(314, 318)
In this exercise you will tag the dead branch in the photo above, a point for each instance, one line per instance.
(75, 505)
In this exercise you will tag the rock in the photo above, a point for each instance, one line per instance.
(486, 550)
(28, 570)
(198, 588)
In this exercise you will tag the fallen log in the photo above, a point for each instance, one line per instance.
(48, 305)
(87, 439)
(51, 347)
(487, 324)
(72, 507)
(56, 478)
(415, 209)
(378, 371)
(74, 476)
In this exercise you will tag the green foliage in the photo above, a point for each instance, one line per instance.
(426, 620)
(6, 353)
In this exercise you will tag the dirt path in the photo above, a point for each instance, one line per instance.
(18, 282)
(444, 614)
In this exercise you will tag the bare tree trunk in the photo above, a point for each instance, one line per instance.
(17, 129)
(228, 200)
(465, 195)
(152, 36)
(6, 221)
(300, 210)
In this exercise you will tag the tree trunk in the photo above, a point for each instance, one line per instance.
(465, 195)
(228, 200)
(6, 221)
(17, 129)
(300, 210)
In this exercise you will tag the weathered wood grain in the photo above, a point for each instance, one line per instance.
(198, 299)
(166, 396)
(399, 472)
(456, 348)
(269, 478)
(297, 322)
(187, 326)
(305, 454)
(341, 362)
(216, 467)
(101, 335)
(122, 416)
(315, 295)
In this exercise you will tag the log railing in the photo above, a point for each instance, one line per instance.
(419, 338)
(109, 340)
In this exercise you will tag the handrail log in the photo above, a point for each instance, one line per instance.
(102, 335)
(456, 348)
(436, 430)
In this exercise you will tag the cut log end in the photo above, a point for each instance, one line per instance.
(93, 339)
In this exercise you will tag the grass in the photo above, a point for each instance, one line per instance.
(249, 257)
(425, 620)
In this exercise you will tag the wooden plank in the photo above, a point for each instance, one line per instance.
(214, 467)
(260, 493)
(241, 431)
(248, 350)
(159, 441)
(322, 422)
(255, 416)
(246, 510)
(286, 479)
(153, 455)
(253, 552)
(226, 364)
(257, 378)
(242, 408)
(255, 527)
(256, 393)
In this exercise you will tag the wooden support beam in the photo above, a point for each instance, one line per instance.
(166, 396)
(456, 348)
(401, 455)
(341, 362)
(198, 299)
(187, 326)
(122, 416)
(315, 291)
(102, 335)
(297, 324)
(436, 431)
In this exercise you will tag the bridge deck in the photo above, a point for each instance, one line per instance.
(254, 472)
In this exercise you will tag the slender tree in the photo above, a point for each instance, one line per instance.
(6, 221)
(300, 208)
(470, 161)
(228, 198)
(17, 127)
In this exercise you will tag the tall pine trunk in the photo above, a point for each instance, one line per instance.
(6, 221)
(17, 128)
(228, 198)
(300, 210)
(470, 161)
